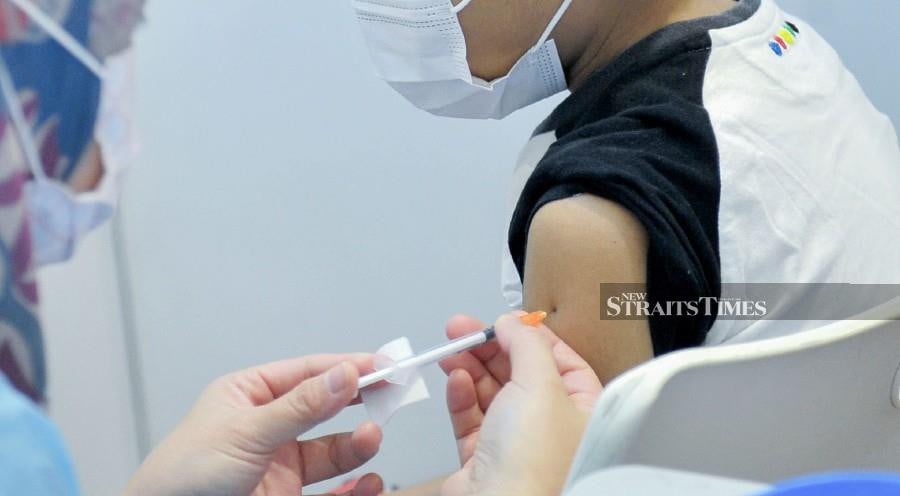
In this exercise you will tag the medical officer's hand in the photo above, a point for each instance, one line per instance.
(240, 437)
(519, 407)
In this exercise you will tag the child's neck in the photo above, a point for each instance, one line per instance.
(611, 27)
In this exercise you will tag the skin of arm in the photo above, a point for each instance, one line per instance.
(574, 246)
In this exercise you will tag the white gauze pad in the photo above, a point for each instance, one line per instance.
(407, 388)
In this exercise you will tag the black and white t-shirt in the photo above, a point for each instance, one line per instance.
(747, 150)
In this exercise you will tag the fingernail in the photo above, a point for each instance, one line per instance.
(336, 379)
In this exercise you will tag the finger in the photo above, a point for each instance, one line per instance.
(466, 415)
(314, 401)
(459, 483)
(495, 360)
(462, 325)
(488, 367)
(486, 385)
(489, 353)
(336, 454)
(267, 382)
(465, 361)
(530, 352)
(581, 382)
(369, 485)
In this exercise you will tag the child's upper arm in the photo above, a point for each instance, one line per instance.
(574, 246)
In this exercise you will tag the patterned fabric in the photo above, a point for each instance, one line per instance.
(60, 99)
(21, 345)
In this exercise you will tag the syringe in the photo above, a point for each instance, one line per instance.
(445, 350)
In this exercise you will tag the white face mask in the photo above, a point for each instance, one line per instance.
(418, 47)
(59, 218)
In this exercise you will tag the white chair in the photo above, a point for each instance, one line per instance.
(652, 481)
(822, 400)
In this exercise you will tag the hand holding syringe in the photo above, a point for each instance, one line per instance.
(443, 351)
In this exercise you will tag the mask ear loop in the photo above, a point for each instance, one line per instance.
(17, 116)
(563, 8)
(61, 36)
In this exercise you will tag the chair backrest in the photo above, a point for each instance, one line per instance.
(633, 480)
(817, 401)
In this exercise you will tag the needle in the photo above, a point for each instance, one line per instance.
(445, 350)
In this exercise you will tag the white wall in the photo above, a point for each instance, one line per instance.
(88, 386)
(286, 203)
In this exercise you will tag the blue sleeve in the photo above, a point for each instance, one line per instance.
(33, 460)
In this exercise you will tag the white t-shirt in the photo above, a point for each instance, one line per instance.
(750, 154)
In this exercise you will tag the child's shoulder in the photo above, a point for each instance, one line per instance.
(749, 61)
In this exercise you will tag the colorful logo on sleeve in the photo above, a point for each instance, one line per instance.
(785, 38)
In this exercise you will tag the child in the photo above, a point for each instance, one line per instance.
(705, 142)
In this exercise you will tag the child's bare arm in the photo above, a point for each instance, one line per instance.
(574, 247)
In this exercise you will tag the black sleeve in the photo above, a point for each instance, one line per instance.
(661, 163)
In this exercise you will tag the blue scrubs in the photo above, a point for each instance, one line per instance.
(33, 460)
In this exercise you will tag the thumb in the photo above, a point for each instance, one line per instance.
(530, 354)
(314, 401)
